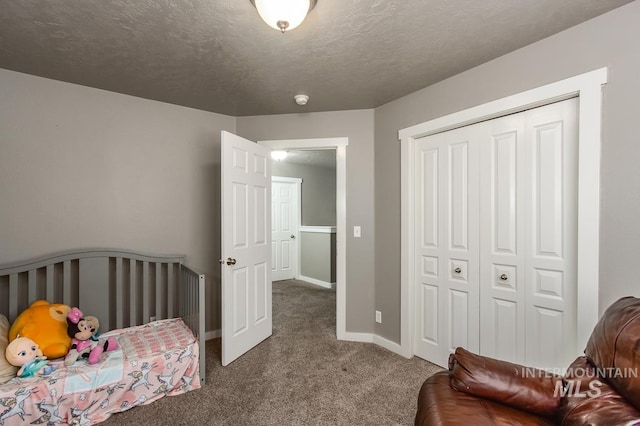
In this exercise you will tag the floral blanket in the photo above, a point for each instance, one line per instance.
(154, 360)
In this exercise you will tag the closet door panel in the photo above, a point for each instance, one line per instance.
(551, 235)
(428, 342)
(502, 272)
(447, 264)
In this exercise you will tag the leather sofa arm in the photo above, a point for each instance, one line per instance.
(525, 388)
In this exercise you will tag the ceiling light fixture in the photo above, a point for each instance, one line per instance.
(279, 155)
(283, 15)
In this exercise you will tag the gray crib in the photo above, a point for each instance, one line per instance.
(122, 288)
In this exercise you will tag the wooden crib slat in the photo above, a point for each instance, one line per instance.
(145, 292)
(49, 281)
(170, 289)
(66, 282)
(13, 297)
(133, 296)
(33, 284)
(158, 290)
(119, 294)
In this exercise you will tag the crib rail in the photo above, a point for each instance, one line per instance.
(192, 308)
(121, 288)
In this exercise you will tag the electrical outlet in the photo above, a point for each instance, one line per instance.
(379, 317)
(152, 319)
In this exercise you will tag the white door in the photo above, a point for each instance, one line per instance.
(246, 248)
(522, 214)
(284, 227)
(446, 266)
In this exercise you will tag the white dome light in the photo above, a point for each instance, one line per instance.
(283, 15)
(279, 155)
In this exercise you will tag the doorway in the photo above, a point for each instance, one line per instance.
(340, 147)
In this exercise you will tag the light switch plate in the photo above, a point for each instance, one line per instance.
(357, 232)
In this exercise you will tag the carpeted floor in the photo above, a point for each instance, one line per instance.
(299, 376)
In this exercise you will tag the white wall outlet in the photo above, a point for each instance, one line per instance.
(379, 317)
(357, 232)
(152, 319)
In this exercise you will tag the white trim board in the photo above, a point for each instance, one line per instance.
(285, 179)
(340, 145)
(318, 229)
(588, 88)
(374, 338)
(317, 282)
(214, 334)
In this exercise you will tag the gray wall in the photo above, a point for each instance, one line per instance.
(82, 168)
(358, 127)
(318, 256)
(610, 40)
(318, 191)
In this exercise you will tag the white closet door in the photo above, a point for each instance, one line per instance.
(551, 142)
(502, 239)
(528, 236)
(497, 201)
(446, 267)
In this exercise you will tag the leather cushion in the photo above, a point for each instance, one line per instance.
(438, 404)
(521, 387)
(614, 347)
(589, 400)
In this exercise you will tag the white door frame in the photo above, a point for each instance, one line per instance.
(298, 182)
(340, 145)
(588, 88)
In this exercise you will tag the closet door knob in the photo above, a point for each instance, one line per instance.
(457, 270)
(504, 277)
(231, 261)
(293, 237)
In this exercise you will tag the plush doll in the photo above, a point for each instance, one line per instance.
(45, 324)
(84, 342)
(25, 353)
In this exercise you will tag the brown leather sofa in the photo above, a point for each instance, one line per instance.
(600, 388)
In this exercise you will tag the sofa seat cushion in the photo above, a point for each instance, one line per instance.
(439, 404)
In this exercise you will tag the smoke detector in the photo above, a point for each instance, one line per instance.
(301, 99)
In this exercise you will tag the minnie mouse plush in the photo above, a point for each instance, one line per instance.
(84, 343)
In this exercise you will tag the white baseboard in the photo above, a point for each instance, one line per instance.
(373, 338)
(316, 282)
(388, 344)
(212, 334)
(357, 337)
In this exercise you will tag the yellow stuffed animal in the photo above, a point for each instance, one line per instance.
(45, 324)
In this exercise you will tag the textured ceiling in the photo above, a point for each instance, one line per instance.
(218, 55)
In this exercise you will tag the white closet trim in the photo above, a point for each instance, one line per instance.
(588, 88)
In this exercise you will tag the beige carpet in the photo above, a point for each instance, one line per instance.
(299, 376)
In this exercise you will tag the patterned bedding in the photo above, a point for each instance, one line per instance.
(154, 360)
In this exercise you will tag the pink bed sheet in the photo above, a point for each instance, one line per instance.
(154, 360)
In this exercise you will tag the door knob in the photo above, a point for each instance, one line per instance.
(231, 261)
(293, 237)
(504, 277)
(457, 270)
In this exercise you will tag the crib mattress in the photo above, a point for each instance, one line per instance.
(154, 360)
